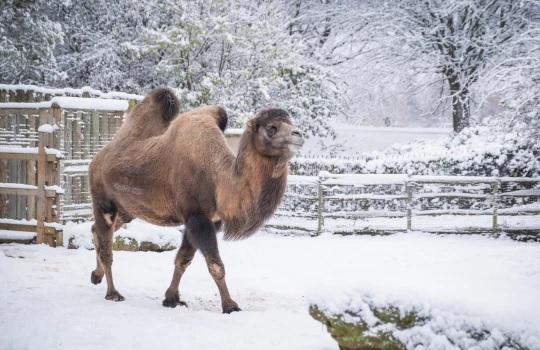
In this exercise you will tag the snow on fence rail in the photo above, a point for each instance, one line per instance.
(379, 203)
(32, 93)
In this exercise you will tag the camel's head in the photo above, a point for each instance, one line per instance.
(274, 134)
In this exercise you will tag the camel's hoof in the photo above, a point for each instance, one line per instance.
(230, 307)
(174, 301)
(95, 278)
(114, 296)
(234, 309)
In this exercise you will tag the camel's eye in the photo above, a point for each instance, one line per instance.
(271, 130)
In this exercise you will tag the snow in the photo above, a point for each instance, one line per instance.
(79, 103)
(71, 91)
(91, 103)
(234, 131)
(8, 234)
(273, 278)
(354, 140)
(20, 222)
(30, 150)
(48, 128)
(55, 188)
(304, 180)
(439, 328)
(365, 179)
(482, 150)
(16, 185)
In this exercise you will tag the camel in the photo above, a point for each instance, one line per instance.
(170, 169)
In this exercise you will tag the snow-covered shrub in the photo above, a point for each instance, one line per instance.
(482, 150)
(365, 321)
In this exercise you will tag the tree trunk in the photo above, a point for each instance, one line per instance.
(461, 113)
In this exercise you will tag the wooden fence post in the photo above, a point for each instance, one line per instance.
(495, 205)
(31, 171)
(409, 187)
(320, 207)
(41, 197)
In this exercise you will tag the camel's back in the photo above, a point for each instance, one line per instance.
(198, 135)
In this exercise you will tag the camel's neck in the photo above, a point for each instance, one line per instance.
(256, 188)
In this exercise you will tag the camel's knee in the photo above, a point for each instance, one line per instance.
(183, 262)
(217, 270)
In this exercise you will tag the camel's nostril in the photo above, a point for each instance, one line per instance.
(296, 133)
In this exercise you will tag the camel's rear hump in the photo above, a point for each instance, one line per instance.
(153, 115)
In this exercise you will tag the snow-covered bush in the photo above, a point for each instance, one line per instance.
(483, 150)
(364, 321)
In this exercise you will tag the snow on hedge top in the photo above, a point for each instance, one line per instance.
(70, 91)
(365, 179)
(82, 103)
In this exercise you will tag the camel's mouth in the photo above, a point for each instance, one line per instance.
(296, 146)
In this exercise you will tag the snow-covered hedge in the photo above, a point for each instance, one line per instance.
(480, 151)
(368, 322)
(135, 236)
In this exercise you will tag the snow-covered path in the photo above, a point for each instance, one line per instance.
(48, 302)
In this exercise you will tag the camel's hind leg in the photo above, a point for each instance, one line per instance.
(202, 234)
(183, 260)
(102, 230)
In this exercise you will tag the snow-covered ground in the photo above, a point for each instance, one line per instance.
(353, 140)
(48, 302)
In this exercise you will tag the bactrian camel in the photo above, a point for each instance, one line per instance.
(170, 169)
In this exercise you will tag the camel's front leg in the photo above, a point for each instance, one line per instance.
(202, 233)
(183, 260)
(102, 230)
(217, 270)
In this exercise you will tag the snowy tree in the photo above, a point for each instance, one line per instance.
(27, 41)
(515, 81)
(424, 44)
(240, 55)
(98, 49)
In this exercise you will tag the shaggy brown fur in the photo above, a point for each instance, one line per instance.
(171, 170)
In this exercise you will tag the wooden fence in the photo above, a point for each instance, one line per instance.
(380, 203)
(73, 129)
